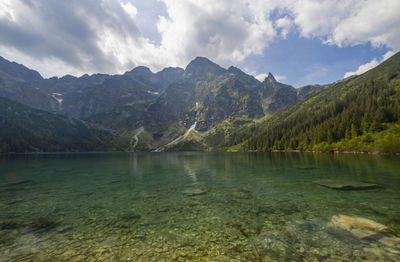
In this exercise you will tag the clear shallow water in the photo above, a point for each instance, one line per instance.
(191, 207)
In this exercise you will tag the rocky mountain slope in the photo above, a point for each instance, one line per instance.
(211, 100)
(198, 103)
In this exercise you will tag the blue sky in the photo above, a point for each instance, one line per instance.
(299, 61)
(300, 41)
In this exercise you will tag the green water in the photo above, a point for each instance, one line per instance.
(192, 207)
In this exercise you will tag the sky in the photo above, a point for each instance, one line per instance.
(299, 41)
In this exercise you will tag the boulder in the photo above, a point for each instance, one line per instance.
(345, 185)
(384, 245)
(359, 227)
(194, 192)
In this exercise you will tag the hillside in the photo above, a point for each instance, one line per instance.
(360, 114)
(24, 129)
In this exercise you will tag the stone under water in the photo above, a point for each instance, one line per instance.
(358, 226)
(384, 245)
(345, 185)
(194, 191)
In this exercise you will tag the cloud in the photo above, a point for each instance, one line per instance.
(112, 36)
(261, 77)
(90, 36)
(362, 68)
(371, 64)
(284, 24)
(388, 55)
(130, 9)
(349, 22)
(226, 30)
(66, 32)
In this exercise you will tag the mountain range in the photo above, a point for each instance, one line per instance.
(202, 107)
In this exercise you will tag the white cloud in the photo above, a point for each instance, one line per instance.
(284, 24)
(349, 22)
(362, 68)
(59, 37)
(226, 31)
(371, 64)
(6, 10)
(261, 77)
(388, 55)
(46, 67)
(319, 18)
(130, 9)
(102, 36)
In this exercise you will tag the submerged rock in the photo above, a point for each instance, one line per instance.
(359, 227)
(345, 185)
(385, 246)
(194, 192)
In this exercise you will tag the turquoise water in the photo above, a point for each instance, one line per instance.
(192, 207)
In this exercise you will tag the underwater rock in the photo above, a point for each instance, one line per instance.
(384, 245)
(194, 192)
(358, 226)
(345, 185)
(366, 229)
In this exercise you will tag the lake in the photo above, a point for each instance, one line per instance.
(196, 207)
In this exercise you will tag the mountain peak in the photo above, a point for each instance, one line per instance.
(201, 65)
(141, 70)
(18, 70)
(271, 78)
(171, 69)
(202, 59)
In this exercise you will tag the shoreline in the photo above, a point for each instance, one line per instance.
(251, 151)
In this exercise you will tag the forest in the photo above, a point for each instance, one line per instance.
(359, 114)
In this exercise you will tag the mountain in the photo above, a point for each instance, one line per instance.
(22, 84)
(18, 71)
(197, 105)
(85, 96)
(24, 129)
(211, 101)
(359, 114)
(157, 82)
